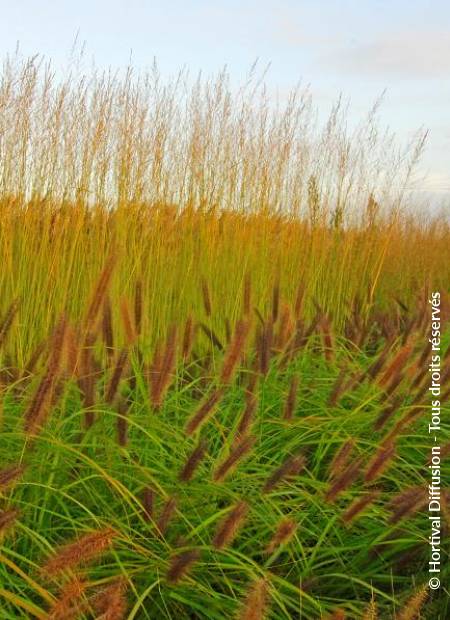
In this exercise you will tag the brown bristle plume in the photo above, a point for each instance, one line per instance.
(204, 411)
(285, 328)
(166, 369)
(188, 338)
(129, 328)
(396, 365)
(99, 292)
(299, 299)
(82, 551)
(265, 342)
(285, 531)
(291, 400)
(407, 502)
(73, 351)
(193, 461)
(31, 364)
(242, 448)
(206, 298)
(374, 370)
(39, 407)
(107, 328)
(10, 475)
(181, 564)
(166, 516)
(342, 482)
(111, 603)
(234, 351)
(359, 505)
(380, 461)
(341, 458)
(387, 413)
(292, 466)
(148, 501)
(8, 518)
(118, 371)
(68, 605)
(255, 605)
(230, 526)
(338, 388)
(7, 321)
(251, 403)
(328, 338)
(122, 423)
(412, 607)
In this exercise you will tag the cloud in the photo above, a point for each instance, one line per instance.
(408, 54)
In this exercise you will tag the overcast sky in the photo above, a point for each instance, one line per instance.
(357, 47)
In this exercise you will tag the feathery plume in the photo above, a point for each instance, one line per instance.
(359, 505)
(204, 411)
(8, 518)
(99, 293)
(243, 447)
(181, 564)
(380, 461)
(234, 351)
(122, 423)
(413, 606)
(396, 365)
(206, 298)
(251, 402)
(193, 461)
(338, 388)
(265, 342)
(291, 401)
(166, 368)
(230, 526)
(7, 321)
(111, 602)
(68, 605)
(327, 337)
(130, 331)
(341, 458)
(116, 376)
(148, 501)
(342, 482)
(285, 531)
(407, 503)
(255, 606)
(107, 328)
(9, 476)
(292, 466)
(82, 551)
(188, 338)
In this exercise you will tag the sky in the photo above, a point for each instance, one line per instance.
(359, 48)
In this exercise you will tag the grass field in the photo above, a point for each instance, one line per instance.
(214, 352)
